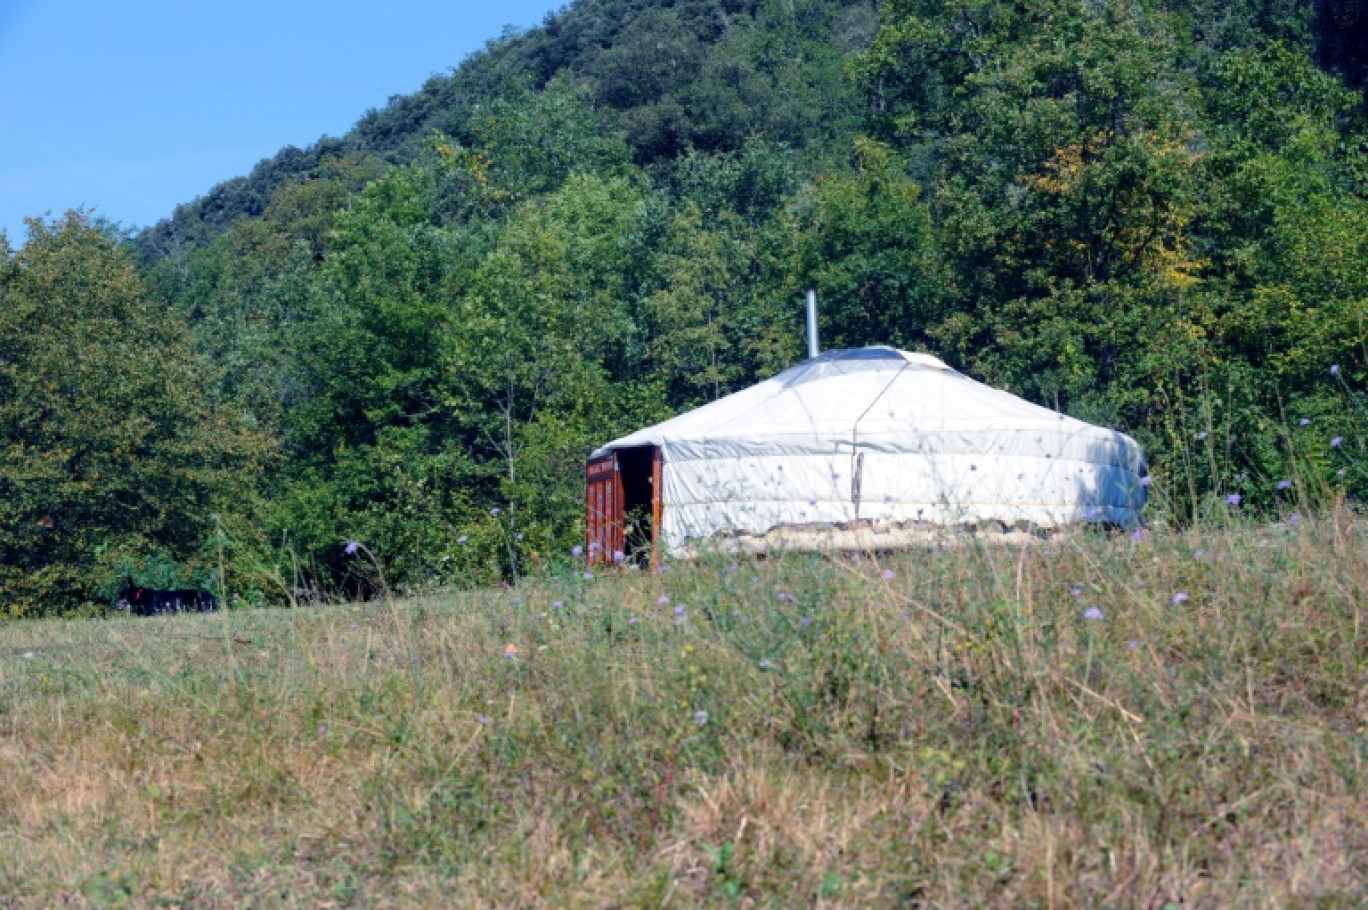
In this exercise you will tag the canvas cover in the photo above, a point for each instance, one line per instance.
(883, 436)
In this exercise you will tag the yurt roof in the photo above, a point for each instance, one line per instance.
(879, 399)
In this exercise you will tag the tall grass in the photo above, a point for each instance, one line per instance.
(939, 728)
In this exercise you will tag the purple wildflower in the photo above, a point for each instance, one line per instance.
(462, 539)
(1202, 435)
(887, 574)
(1199, 554)
(352, 547)
(681, 614)
(701, 718)
(495, 511)
(1337, 442)
(1284, 484)
(619, 556)
(322, 729)
(482, 720)
(577, 550)
(588, 576)
(661, 570)
(632, 620)
(353, 626)
(1293, 518)
(1093, 613)
(1334, 369)
(1139, 534)
(1178, 598)
(1304, 422)
(1076, 590)
(1234, 499)
(766, 663)
(518, 536)
(556, 605)
(1133, 645)
(1146, 480)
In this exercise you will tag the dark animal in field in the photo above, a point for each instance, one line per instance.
(158, 601)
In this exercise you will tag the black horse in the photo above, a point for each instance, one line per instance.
(157, 601)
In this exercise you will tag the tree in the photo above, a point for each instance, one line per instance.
(109, 449)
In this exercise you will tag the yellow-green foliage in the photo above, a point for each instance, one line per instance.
(109, 446)
(932, 729)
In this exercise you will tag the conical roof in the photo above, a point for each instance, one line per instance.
(882, 399)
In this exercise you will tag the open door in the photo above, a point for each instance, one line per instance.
(623, 507)
(603, 509)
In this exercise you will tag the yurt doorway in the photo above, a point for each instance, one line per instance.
(622, 507)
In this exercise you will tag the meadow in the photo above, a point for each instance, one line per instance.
(1165, 719)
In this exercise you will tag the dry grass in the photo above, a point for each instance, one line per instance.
(956, 735)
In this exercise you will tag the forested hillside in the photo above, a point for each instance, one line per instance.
(1149, 214)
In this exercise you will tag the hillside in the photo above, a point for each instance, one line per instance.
(1149, 215)
(687, 74)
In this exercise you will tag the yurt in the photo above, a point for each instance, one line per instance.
(869, 448)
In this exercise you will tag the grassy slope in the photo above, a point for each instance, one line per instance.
(957, 735)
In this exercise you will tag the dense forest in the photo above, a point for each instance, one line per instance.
(1149, 214)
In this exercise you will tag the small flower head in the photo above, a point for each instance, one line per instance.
(353, 626)
(805, 622)
(1146, 480)
(518, 536)
(1133, 645)
(1304, 422)
(1092, 513)
(1094, 614)
(766, 664)
(495, 511)
(632, 620)
(1202, 435)
(1334, 369)
(619, 556)
(1234, 499)
(663, 599)
(701, 717)
(577, 550)
(680, 611)
(1198, 554)
(557, 604)
(1076, 590)
(1337, 442)
(1178, 598)
(482, 720)
(1293, 518)
(1284, 484)
(887, 574)
(1139, 534)
(352, 547)
(661, 570)
(462, 539)
(588, 576)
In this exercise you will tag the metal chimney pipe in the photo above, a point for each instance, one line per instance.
(813, 350)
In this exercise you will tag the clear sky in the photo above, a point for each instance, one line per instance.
(133, 106)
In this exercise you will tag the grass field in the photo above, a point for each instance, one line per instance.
(932, 729)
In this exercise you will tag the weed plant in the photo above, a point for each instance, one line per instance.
(1164, 718)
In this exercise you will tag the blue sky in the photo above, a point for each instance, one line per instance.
(133, 107)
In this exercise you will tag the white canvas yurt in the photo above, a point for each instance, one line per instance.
(865, 448)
